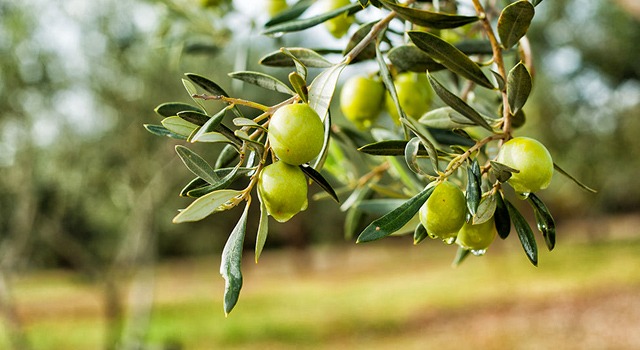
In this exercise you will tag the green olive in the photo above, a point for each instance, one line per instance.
(337, 26)
(532, 159)
(477, 238)
(361, 100)
(283, 190)
(296, 133)
(414, 95)
(444, 212)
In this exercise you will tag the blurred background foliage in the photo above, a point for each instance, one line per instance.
(78, 80)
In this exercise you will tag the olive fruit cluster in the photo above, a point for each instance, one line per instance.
(362, 98)
(296, 136)
(443, 216)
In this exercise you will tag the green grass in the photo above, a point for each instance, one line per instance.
(377, 295)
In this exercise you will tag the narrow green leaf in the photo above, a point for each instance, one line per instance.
(388, 83)
(435, 20)
(450, 57)
(301, 24)
(411, 58)
(443, 118)
(518, 87)
(324, 152)
(457, 103)
(419, 234)
(191, 89)
(208, 85)
(223, 183)
(160, 130)
(535, 2)
(300, 67)
(194, 117)
(501, 217)
(320, 180)
(486, 209)
(501, 171)
(544, 220)
(576, 181)
(197, 165)
(230, 267)
(514, 22)
(179, 126)
(322, 89)
(227, 156)
(209, 126)
(474, 192)
(306, 56)
(299, 85)
(246, 122)
(389, 148)
(525, 234)
(411, 155)
(170, 109)
(205, 206)
(263, 228)
(461, 255)
(394, 220)
(262, 80)
(192, 185)
(292, 12)
(431, 149)
(370, 50)
(212, 88)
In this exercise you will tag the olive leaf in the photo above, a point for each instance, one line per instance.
(502, 172)
(435, 20)
(160, 130)
(299, 85)
(389, 148)
(179, 126)
(544, 220)
(411, 155)
(320, 180)
(457, 103)
(191, 89)
(322, 88)
(461, 255)
(525, 234)
(514, 22)
(395, 219)
(292, 12)
(518, 87)
(369, 51)
(263, 228)
(211, 125)
(419, 234)
(486, 209)
(444, 118)
(262, 80)
(212, 88)
(450, 57)
(501, 217)
(194, 117)
(231, 263)
(197, 165)
(228, 178)
(473, 193)
(285, 58)
(302, 24)
(572, 178)
(205, 205)
(170, 109)
(411, 58)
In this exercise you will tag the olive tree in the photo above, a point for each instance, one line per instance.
(425, 142)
